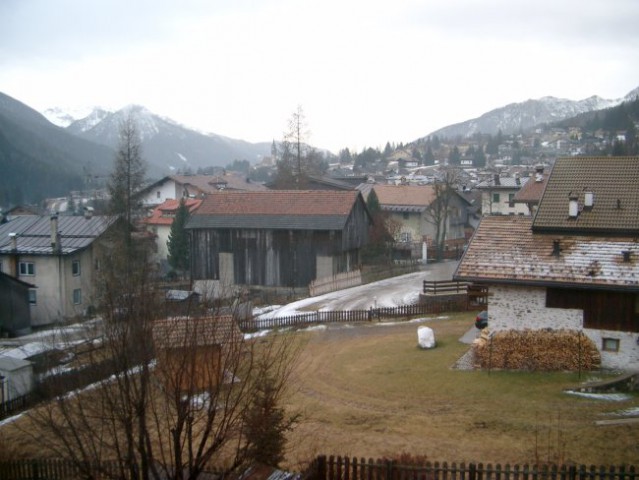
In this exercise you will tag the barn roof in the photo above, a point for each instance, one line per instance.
(189, 332)
(504, 249)
(276, 209)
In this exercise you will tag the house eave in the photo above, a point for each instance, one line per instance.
(547, 284)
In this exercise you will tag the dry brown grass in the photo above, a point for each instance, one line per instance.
(370, 391)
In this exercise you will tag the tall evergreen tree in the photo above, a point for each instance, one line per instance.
(178, 244)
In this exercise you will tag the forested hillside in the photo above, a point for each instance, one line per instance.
(39, 160)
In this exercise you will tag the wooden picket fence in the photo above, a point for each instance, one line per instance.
(335, 282)
(17, 405)
(57, 469)
(345, 468)
(348, 316)
(444, 287)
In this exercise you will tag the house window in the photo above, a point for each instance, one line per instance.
(77, 296)
(96, 264)
(610, 344)
(404, 237)
(157, 194)
(32, 296)
(27, 268)
(495, 198)
(405, 215)
(511, 200)
(75, 268)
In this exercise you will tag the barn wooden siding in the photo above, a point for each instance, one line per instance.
(604, 310)
(272, 257)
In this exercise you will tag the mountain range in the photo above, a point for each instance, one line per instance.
(167, 146)
(48, 154)
(524, 116)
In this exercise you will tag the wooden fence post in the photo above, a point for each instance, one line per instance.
(472, 472)
(389, 470)
(320, 468)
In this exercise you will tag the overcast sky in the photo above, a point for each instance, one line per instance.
(364, 71)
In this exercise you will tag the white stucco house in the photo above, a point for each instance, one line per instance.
(59, 256)
(498, 195)
(409, 206)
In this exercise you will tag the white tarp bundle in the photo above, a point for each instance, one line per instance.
(426, 337)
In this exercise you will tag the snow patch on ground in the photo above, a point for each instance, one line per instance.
(611, 397)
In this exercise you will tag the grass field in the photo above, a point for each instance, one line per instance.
(369, 391)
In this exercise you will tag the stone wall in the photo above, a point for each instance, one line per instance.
(520, 308)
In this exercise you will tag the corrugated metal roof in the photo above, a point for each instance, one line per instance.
(614, 182)
(33, 233)
(504, 249)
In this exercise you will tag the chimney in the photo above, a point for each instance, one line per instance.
(573, 205)
(589, 200)
(55, 236)
(13, 262)
(88, 212)
(496, 179)
(517, 180)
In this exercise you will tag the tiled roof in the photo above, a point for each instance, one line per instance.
(164, 213)
(188, 332)
(532, 190)
(33, 233)
(213, 183)
(419, 196)
(294, 209)
(614, 182)
(504, 249)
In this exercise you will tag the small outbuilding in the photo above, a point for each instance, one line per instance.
(16, 378)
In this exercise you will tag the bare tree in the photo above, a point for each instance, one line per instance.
(174, 397)
(438, 211)
(297, 160)
(159, 394)
(128, 172)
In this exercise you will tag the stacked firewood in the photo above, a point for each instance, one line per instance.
(547, 350)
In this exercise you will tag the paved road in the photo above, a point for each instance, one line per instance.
(401, 290)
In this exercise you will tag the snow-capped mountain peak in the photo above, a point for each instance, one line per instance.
(65, 116)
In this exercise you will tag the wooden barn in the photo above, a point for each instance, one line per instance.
(279, 238)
